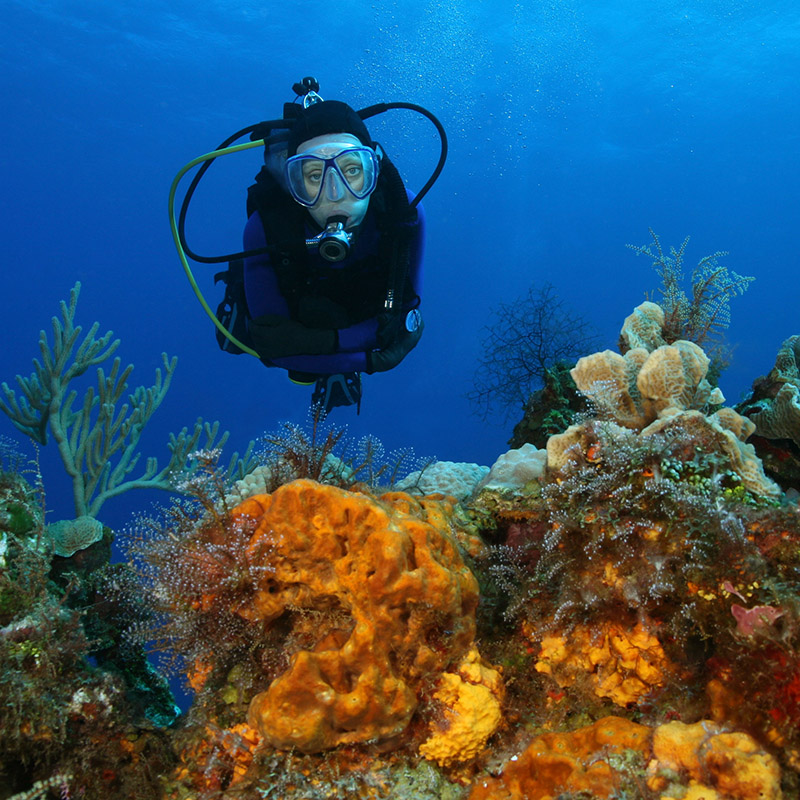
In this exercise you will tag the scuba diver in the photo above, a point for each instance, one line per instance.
(328, 285)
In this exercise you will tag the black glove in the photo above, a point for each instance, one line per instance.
(275, 336)
(389, 357)
(391, 328)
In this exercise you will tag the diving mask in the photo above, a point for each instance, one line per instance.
(312, 175)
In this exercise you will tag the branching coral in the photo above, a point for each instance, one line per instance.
(527, 338)
(98, 442)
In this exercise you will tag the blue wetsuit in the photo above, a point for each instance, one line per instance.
(354, 341)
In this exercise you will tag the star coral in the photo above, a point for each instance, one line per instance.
(391, 602)
(624, 663)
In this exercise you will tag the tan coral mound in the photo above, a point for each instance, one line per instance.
(380, 598)
(555, 763)
(624, 664)
(651, 391)
(643, 328)
(639, 387)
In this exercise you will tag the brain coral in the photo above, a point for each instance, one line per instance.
(381, 599)
(452, 478)
(70, 535)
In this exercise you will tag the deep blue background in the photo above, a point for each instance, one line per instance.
(574, 126)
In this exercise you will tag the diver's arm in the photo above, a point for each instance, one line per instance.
(353, 345)
(265, 302)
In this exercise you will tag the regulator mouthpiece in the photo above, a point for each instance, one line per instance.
(333, 244)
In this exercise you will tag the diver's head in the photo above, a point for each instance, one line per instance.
(332, 166)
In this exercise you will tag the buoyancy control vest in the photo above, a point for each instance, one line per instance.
(321, 295)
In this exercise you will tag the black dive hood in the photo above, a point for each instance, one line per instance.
(274, 136)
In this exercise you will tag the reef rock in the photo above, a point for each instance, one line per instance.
(700, 761)
(557, 763)
(382, 602)
(776, 409)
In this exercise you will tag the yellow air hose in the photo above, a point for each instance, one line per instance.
(176, 238)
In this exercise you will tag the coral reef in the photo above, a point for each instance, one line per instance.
(699, 761)
(69, 720)
(774, 408)
(549, 410)
(777, 413)
(614, 616)
(366, 599)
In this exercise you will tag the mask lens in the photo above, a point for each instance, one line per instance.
(357, 169)
(354, 168)
(305, 177)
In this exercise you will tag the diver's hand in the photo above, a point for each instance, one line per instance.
(275, 336)
(389, 357)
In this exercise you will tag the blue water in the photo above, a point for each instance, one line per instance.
(574, 126)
